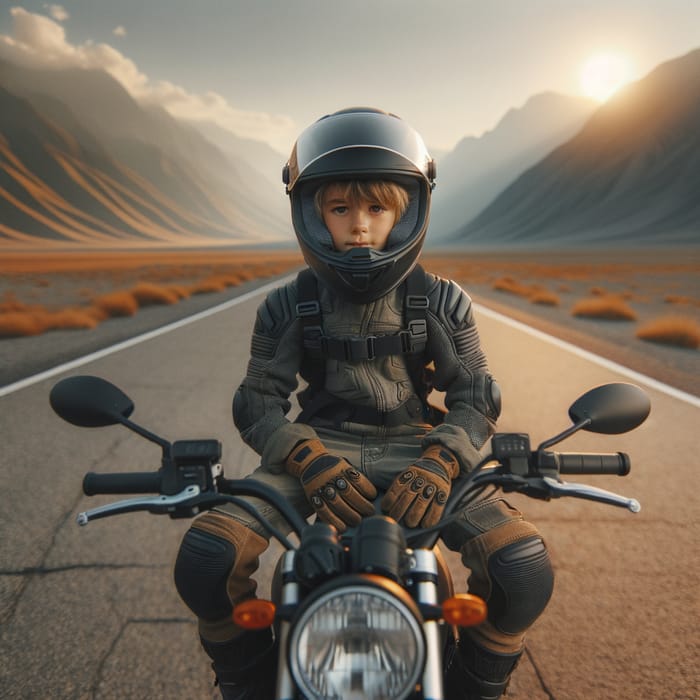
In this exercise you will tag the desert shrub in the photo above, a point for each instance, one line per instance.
(70, 319)
(609, 308)
(211, 285)
(680, 331)
(536, 293)
(15, 324)
(544, 297)
(511, 286)
(120, 303)
(148, 294)
(681, 300)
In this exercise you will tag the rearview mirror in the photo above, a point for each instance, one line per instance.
(611, 408)
(90, 402)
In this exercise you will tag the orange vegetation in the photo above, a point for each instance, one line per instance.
(672, 330)
(608, 308)
(536, 293)
(177, 276)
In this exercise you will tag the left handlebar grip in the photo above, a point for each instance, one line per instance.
(134, 482)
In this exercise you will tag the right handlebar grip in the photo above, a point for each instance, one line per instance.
(134, 482)
(617, 463)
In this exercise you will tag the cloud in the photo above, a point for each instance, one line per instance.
(58, 12)
(39, 41)
(119, 31)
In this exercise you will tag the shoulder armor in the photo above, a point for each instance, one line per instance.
(277, 311)
(449, 302)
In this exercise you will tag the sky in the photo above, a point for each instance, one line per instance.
(266, 69)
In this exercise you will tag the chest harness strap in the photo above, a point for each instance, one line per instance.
(411, 340)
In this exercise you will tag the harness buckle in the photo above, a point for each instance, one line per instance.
(415, 338)
(360, 349)
(308, 308)
(416, 301)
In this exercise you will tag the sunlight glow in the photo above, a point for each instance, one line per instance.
(603, 74)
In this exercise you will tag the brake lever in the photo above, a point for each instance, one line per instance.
(159, 505)
(558, 489)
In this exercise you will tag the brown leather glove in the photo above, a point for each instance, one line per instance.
(339, 493)
(419, 494)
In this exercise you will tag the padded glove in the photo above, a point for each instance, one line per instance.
(419, 494)
(337, 491)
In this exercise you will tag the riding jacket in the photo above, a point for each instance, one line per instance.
(358, 362)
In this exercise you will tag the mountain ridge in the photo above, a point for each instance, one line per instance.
(628, 177)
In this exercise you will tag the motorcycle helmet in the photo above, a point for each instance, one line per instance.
(360, 143)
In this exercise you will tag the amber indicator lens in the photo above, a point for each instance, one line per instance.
(254, 614)
(464, 610)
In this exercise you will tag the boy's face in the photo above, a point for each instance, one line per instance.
(356, 223)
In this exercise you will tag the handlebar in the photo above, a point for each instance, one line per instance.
(514, 468)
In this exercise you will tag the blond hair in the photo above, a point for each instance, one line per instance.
(387, 194)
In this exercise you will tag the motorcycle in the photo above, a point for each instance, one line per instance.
(371, 613)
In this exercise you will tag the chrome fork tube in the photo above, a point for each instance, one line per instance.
(424, 573)
(290, 596)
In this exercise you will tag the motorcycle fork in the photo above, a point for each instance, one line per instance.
(424, 577)
(290, 597)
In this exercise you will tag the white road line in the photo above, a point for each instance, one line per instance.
(78, 362)
(596, 359)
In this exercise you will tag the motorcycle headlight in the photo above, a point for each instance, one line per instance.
(357, 642)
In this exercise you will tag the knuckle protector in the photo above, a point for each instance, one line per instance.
(487, 395)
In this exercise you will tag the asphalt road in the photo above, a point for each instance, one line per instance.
(92, 613)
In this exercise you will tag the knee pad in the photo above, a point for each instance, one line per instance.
(522, 581)
(202, 568)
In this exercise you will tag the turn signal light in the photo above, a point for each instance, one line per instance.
(254, 614)
(464, 610)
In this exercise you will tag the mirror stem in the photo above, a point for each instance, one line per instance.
(563, 435)
(145, 433)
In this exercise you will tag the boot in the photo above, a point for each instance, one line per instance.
(477, 673)
(245, 666)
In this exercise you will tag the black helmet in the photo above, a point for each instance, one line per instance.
(360, 143)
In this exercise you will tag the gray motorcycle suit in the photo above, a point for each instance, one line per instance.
(497, 545)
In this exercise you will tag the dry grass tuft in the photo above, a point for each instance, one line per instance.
(679, 331)
(213, 284)
(70, 319)
(118, 304)
(544, 297)
(137, 279)
(681, 300)
(535, 293)
(608, 308)
(14, 324)
(511, 286)
(149, 294)
(37, 320)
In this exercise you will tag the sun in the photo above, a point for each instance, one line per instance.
(603, 74)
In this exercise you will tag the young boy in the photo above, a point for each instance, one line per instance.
(359, 327)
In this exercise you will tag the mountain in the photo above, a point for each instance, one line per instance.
(82, 161)
(478, 169)
(631, 176)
